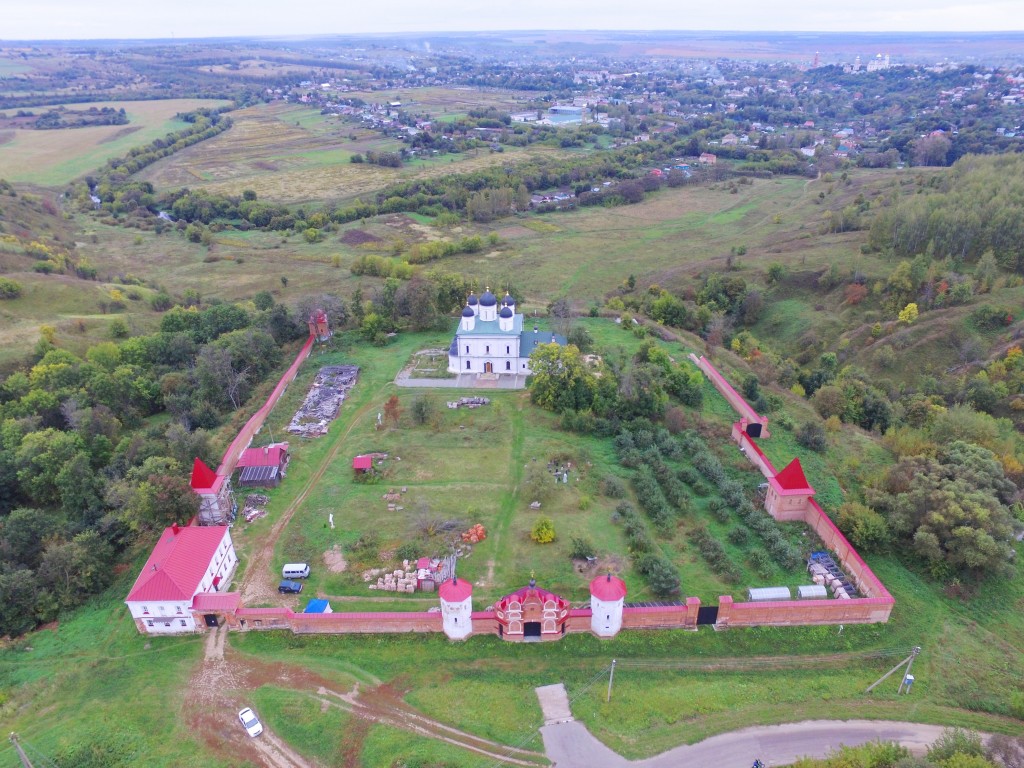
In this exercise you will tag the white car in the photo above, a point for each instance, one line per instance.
(250, 723)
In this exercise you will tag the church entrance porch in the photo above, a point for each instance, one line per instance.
(488, 368)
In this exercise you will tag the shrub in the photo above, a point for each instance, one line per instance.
(661, 575)
(408, 551)
(865, 528)
(581, 548)
(161, 302)
(613, 487)
(422, 410)
(543, 531)
(761, 562)
(118, 329)
(739, 537)
(812, 435)
(9, 289)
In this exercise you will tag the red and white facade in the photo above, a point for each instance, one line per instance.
(456, 608)
(186, 564)
(607, 598)
(532, 613)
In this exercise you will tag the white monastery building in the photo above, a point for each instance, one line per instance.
(188, 566)
(492, 340)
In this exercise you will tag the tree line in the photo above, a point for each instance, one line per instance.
(88, 466)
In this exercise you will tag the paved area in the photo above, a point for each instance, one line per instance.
(554, 704)
(571, 745)
(463, 381)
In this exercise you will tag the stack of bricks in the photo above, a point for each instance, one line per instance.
(396, 581)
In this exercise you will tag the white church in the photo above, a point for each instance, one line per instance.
(492, 340)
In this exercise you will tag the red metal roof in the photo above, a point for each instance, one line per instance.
(521, 595)
(204, 478)
(608, 588)
(216, 601)
(455, 590)
(792, 479)
(178, 563)
(267, 456)
(362, 462)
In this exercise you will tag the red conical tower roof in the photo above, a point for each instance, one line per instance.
(203, 477)
(792, 479)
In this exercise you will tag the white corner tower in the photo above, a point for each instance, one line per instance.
(456, 608)
(607, 596)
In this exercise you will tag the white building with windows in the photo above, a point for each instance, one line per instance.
(492, 340)
(187, 564)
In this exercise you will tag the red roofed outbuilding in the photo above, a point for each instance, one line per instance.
(186, 564)
(263, 466)
(362, 463)
(789, 493)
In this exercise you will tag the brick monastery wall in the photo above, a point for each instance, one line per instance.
(874, 608)
(334, 623)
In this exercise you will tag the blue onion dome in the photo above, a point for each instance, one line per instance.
(508, 301)
(471, 300)
(506, 312)
(488, 299)
(467, 311)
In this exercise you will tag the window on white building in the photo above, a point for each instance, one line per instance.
(149, 623)
(183, 623)
(179, 610)
(145, 610)
(508, 350)
(467, 365)
(508, 365)
(467, 349)
(487, 349)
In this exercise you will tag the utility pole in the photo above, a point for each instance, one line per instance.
(611, 676)
(908, 661)
(21, 753)
(913, 655)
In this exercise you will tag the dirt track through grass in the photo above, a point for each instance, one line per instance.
(258, 586)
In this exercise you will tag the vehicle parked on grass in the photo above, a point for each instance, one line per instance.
(289, 587)
(295, 571)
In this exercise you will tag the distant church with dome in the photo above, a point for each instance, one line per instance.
(492, 340)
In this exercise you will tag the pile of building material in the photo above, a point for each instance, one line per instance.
(474, 535)
(397, 581)
(324, 400)
(469, 402)
(255, 506)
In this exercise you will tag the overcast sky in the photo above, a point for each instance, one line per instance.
(85, 19)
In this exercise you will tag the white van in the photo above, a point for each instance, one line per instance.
(295, 571)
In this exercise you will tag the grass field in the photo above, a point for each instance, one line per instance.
(52, 158)
(292, 153)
